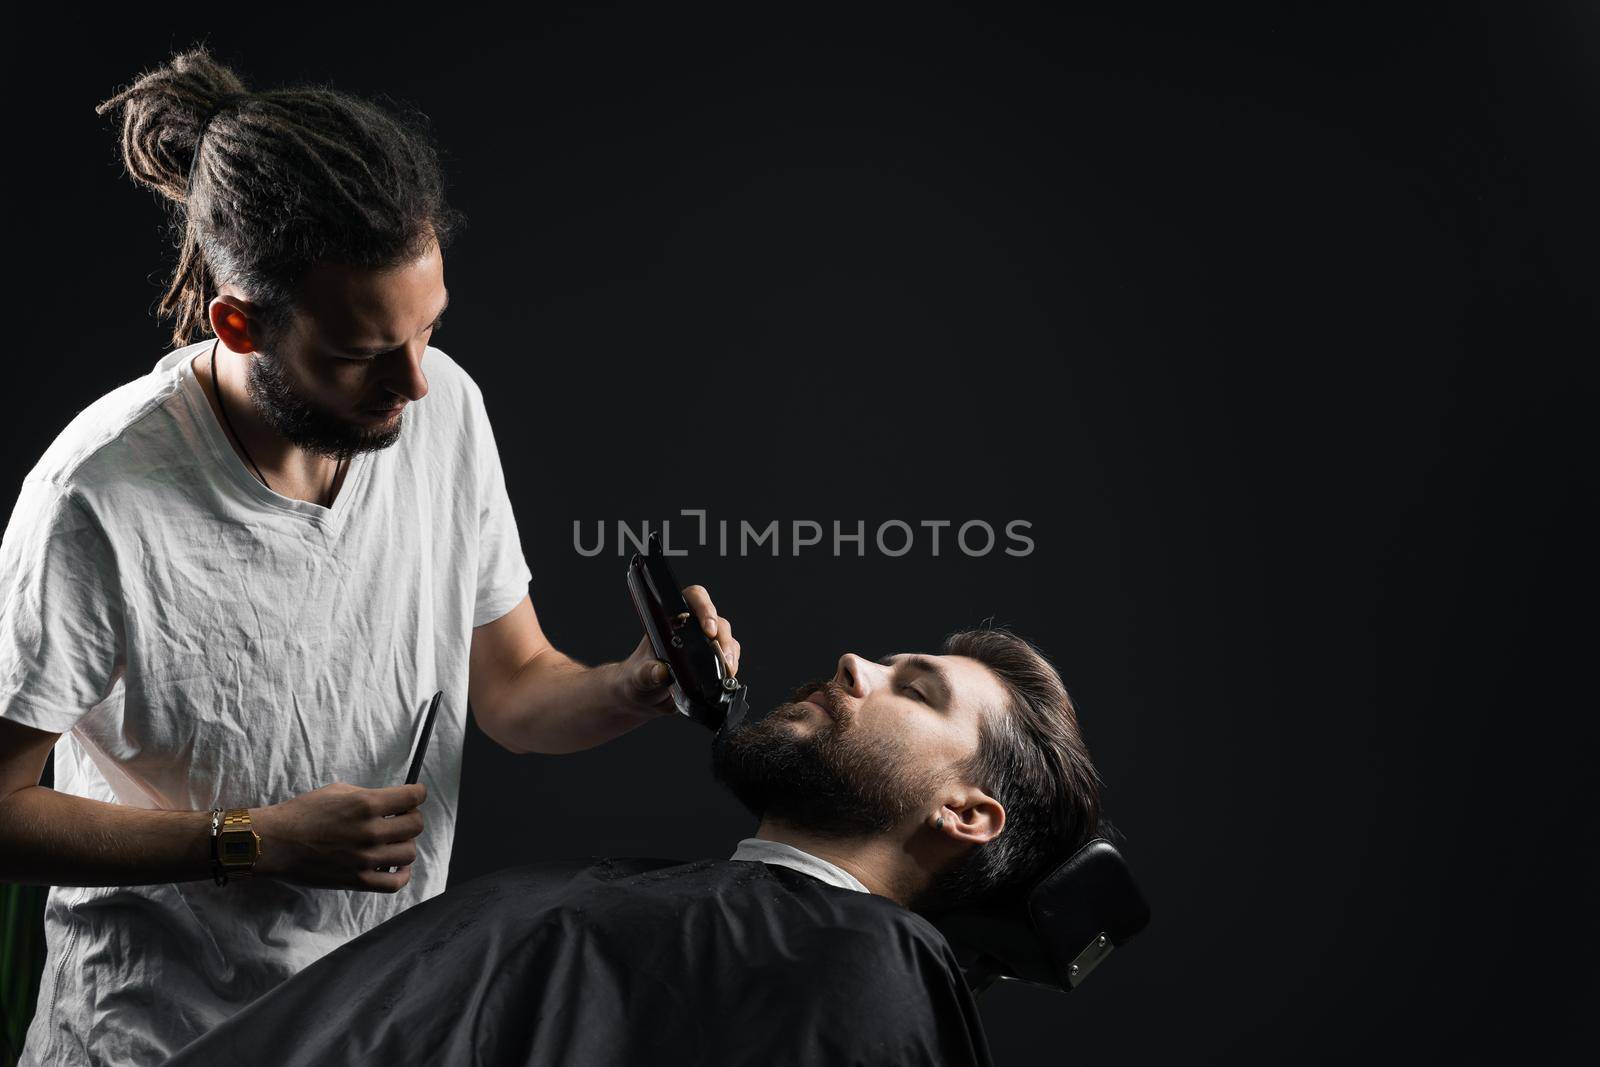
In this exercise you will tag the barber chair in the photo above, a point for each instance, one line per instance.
(1060, 932)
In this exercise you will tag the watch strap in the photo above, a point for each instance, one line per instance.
(217, 873)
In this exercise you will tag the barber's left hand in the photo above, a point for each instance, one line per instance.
(649, 682)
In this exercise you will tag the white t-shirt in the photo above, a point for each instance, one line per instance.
(200, 641)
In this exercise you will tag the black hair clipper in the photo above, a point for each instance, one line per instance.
(702, 688)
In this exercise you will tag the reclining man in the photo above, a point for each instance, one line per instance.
(894, 790)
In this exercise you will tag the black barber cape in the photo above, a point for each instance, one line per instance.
(631, 961)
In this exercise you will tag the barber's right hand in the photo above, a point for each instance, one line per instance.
(337, 836)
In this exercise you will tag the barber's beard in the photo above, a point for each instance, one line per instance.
(280, 402)
(829, 781)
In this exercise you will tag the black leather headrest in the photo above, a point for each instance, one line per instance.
(1076, 915)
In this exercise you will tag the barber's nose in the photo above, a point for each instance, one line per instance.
(855, 674)
(409, 380)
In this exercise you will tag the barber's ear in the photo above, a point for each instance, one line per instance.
(230, 318)
(971, 820)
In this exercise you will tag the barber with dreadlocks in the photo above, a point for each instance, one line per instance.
(229, 586)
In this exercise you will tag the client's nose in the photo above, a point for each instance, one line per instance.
(854, 675)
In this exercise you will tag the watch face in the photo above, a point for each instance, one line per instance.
(238, 850)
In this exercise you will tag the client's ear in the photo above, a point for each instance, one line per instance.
(972, 819)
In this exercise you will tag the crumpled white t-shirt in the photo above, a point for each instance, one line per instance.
(200, 641)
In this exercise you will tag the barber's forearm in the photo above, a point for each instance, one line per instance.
(51, 838)
(556, 704)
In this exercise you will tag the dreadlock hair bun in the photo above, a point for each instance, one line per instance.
(260, 186)
(162, 113)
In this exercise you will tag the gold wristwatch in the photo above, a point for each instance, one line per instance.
(238, 844)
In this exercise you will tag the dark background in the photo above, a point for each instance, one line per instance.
(1268, 323)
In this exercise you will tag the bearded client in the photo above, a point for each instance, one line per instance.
(894, 790)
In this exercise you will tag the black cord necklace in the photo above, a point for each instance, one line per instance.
(218, 391)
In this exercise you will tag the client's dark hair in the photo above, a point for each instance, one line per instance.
(284, 179)
(1032, 759)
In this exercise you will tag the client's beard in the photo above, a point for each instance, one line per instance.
(827, 782)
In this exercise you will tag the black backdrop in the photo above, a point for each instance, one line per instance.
(1265, 323)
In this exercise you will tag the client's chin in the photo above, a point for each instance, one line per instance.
(800, 712)
(811, 776)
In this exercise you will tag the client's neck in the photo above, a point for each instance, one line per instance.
(878, 861)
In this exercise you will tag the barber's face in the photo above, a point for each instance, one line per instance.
(355, 345)
(865, 751)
